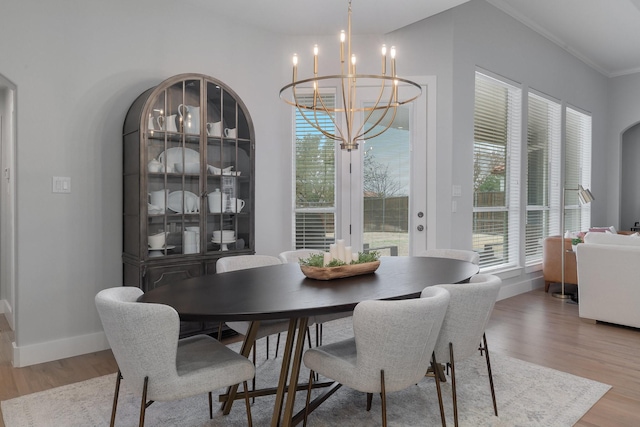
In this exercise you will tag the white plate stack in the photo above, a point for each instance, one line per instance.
(224, 236)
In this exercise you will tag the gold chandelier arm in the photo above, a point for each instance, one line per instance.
(399, 102)
(348, 107)
(344, 106)
(375, 107)
(315, 123)
(319, 128)
(336, 137)
(386, 128)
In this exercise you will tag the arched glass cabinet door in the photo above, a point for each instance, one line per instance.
(188, 174)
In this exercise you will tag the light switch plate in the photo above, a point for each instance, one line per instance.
(61, 184)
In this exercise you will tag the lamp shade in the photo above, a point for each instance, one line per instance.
(585, 195)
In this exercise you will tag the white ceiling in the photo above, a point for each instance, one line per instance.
(605, 34)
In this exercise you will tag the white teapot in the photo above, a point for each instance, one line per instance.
(155, 166)
(217, 201)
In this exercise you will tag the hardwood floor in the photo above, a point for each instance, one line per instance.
(544, 330)
(534, 327)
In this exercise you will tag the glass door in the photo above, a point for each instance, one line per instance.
(385, 196)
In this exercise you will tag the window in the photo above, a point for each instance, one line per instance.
(315, 179)
(553, 172)
(496, 171)
(543, 170)
(577, 166)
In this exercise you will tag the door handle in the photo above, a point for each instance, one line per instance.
(420, 227)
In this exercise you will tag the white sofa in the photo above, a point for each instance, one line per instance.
(609, 278)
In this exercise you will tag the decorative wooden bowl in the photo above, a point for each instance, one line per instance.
(329, 273)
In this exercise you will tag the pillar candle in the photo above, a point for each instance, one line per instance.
(347, 254)
(333, 251)
(327, 258)
(340, 247)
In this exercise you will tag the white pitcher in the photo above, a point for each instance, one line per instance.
(158, 198)
(190, 117)
(167, 123)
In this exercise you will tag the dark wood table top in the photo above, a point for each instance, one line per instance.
(282, 291)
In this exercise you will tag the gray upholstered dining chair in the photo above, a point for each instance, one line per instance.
(463, 328)
(267, 327)
(461, 254)
(159, 365)
(391, 349)
(295, 256)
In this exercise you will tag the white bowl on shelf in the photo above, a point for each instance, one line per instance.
(217, 171)
(188, 167)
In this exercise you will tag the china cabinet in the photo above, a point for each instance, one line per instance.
(188, 180)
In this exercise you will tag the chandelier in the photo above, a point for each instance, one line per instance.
(314, 108)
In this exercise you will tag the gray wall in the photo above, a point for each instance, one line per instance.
(453, 45)
(623, 114)
(630, 175)
(79, 65)
(482, 36)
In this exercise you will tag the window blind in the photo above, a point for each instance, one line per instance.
(543, 169)
(315, 178)
(577, 169)
(496, 171)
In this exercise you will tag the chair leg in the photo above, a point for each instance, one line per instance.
(115, 399)
(493, 392)
(267, 348)
(369, 399)
(453, 386)
(318, 325)
(210, 405)
(277, 344)
(253, 380)
(383, 395)
(246, 403)
(309, 336)
(143, 404)
(306, 405)
(434, 364)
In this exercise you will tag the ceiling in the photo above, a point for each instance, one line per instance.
(605, 34)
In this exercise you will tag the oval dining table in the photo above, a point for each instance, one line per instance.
(283, 292)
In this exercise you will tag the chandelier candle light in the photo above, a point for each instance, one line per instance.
(314, 109)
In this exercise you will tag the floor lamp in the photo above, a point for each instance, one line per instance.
(585, 197)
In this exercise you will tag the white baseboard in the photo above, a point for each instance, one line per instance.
(513, 289)
(59, 349)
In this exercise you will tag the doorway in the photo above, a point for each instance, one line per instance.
(630, 178)
(7, 199)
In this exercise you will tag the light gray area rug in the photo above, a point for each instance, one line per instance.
(527, 395)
